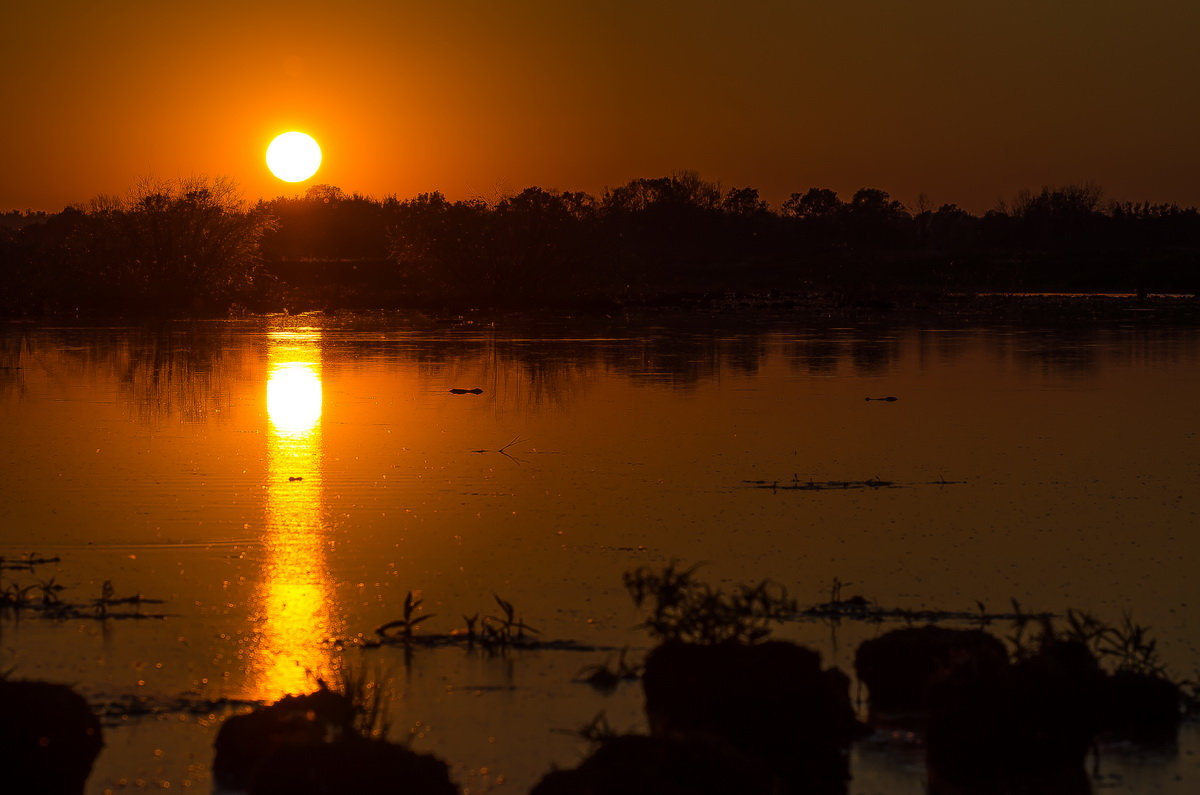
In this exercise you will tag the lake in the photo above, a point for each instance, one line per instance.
(284, 482)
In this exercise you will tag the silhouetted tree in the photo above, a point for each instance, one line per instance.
(1057, 217)
(815, 203)
(874, 218)
(191, 244)
(327, 224)
(194, 246)
(744, 202)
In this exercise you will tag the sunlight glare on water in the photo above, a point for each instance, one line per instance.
(294, 606)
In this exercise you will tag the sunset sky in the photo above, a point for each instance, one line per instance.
(965, 102)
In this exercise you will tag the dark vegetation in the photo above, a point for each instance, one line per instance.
(493, 633)
(729, 708)
(193, 248)
(177, 248)
(49, 738)
(1017, 714)
(316, 743)
(796, 484)
(22, 592)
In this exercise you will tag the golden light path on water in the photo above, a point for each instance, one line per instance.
(294, 610)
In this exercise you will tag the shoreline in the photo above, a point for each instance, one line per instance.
(959, 309)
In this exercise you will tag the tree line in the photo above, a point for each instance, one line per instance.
(193, 246)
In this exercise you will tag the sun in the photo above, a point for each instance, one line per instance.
(293, 156)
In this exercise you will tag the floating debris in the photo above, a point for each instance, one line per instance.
(860, 608)
(491, 633)
(26, 563)
(121, 710)
(888, 399)
(45, 598)
(605, 676)
(475, 391)
(821, 485)
(462, 639)
(504, 450)
(795, 484)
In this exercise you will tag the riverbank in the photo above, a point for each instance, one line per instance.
(815, 309)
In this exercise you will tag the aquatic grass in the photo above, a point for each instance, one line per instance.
(607, 675)
(493, 633)
(117, 711)
(368, 689)
(15, 596)
(796, 484)
(1127, 646)
(1131, 646)
(26, 562)
(407, 623)
(683, 608)
(502, 632)
(471, 621)
(860, 608)
(49, 589)
(48, 598)
(106, 595)
(596, 731)
(109, 599)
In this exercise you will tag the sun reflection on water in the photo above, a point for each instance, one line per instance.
(294, 613)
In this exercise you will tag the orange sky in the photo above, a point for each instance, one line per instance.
(963, 101)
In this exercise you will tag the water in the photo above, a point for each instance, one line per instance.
(285, 481)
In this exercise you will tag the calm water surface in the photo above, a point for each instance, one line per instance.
(282, 482)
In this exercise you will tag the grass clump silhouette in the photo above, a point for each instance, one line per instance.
(371, 698)
(406, 623)
(492, 633)
(499, 632)
(46, 597)
(685, 609)
(1128, 647)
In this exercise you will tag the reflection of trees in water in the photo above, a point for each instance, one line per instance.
(548, 370)
(185, 375)
(816, 353)
(822, 351)
(1062, 352)
(872, 355)
(1081, 352)
(934, 345)
(189, 371)
(13, 347)
(170, 371)
(1149, 346)
(744, 353)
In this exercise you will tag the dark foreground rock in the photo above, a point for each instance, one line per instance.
(350, 765)
(639, 765)
(1025, 726)
(770, 701)
(308, 745)
(245, 741)
(49, 738)
(1141, 707)
(995, 724)
(898, 666)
